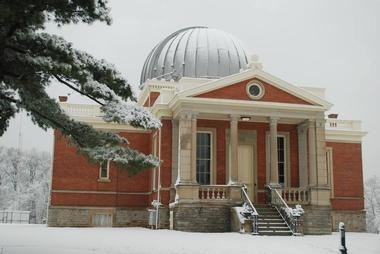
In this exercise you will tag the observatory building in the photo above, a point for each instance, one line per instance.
(241, 150)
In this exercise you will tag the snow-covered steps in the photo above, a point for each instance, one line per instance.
(276, 233)
(270, 222)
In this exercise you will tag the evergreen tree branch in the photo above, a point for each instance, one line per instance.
(54, 122)
(77, 90)
(29, 59)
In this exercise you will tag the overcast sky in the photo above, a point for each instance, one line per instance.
(330, 44)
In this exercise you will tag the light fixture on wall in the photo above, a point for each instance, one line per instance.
(245, 118)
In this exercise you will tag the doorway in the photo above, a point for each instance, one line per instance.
(247, 160)
(246, 168)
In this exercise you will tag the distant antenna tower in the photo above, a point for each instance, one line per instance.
(19, 145)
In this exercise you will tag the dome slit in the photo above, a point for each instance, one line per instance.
(184, 56)
(176, 49)
(166, 55)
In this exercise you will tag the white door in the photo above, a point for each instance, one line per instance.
(245, 168)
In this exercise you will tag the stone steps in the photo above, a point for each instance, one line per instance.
(276, 233)
(270, 222)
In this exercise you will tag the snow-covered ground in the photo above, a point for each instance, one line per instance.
(33, 239)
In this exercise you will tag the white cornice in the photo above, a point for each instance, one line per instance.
(253, 108)
(343, 136)
(244, 104)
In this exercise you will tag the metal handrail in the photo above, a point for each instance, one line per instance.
(293, 221)
(254, 213)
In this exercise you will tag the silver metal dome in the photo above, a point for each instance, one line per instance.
(197, 52)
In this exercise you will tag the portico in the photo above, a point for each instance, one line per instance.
(306, 139)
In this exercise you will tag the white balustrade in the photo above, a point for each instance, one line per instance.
(337, 124)
(295, 195)
(81, 110)
(213, 192)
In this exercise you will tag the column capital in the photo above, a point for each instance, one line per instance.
(302, 126)
(187, 115)
(320, 122)
(311, 123)
(234, 117)
(273, 119)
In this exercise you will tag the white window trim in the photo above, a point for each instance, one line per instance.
(212, 132)
(287, 173)
(260, 85)
(104, 179)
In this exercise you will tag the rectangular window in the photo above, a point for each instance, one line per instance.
(102, 220)
(203, 158)
(104, 170)
(281, 159)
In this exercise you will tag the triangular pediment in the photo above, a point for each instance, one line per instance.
(238, 91)
(234, 87)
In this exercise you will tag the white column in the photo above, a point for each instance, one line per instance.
(320, 137)
(312, 154)
(175, 149)
(302, 154)
(186, 159)
(187, 188)
(320, 191)
(233, 175)
(273, 152)
(194, 148)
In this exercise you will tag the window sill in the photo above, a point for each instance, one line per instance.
(104, 180)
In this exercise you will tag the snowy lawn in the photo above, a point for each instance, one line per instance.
(33, 239)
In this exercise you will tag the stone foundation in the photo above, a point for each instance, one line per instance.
(82, 216)
(163, 214)
(201, 218)
(131, 218)
(317, 220)
(355, 221)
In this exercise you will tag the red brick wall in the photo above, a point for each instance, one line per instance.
(74, 172)
(238, 92)
(348, 176)
(151, 99)
(166, 165)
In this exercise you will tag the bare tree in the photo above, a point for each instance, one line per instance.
(25, 181)
(372, 201)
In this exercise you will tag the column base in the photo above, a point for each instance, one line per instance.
(187, 192)
(234, 183)
(317, 220)
(320, 196)
(201, 217)
(275, 185)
